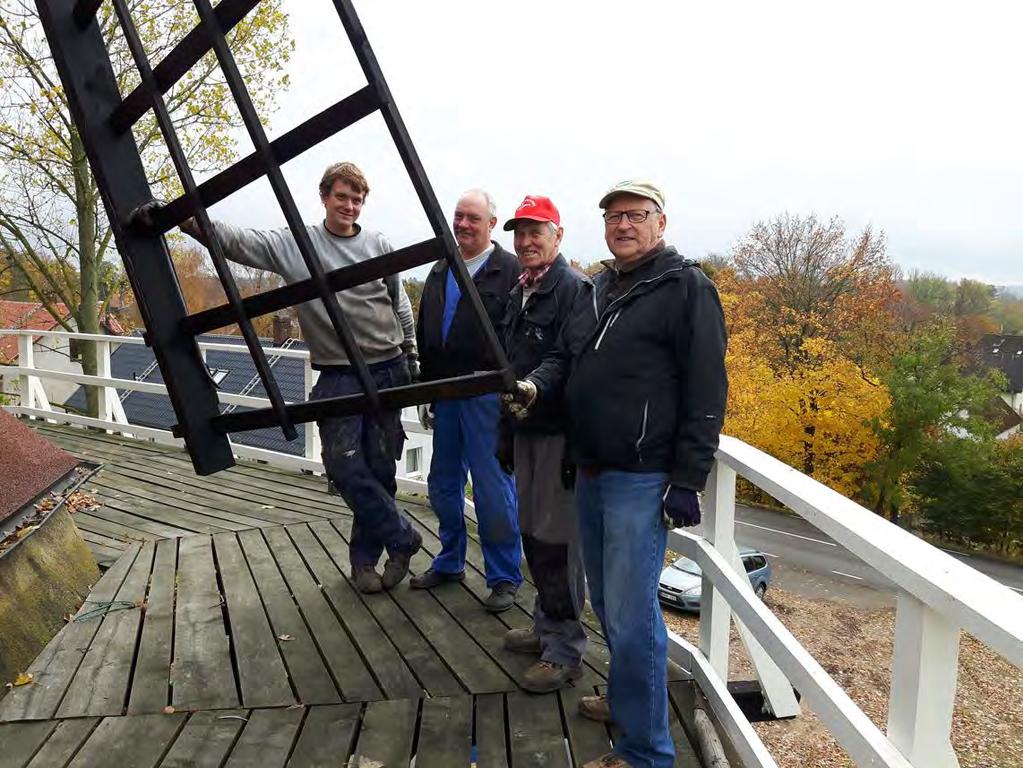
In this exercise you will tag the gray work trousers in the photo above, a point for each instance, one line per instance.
(550, 540)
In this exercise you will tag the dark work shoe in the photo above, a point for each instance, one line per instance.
(545, 676)
(431, 578)
(396, 567)
(501, 597)
(366, 579)
(523, 641)
(595, 708)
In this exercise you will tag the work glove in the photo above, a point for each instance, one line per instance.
(681, 507)
(426, 415)
(519, 399)
(413, 369)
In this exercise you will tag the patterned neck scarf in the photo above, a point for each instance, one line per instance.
(531, 277)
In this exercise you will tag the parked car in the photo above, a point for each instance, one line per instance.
(682, 581)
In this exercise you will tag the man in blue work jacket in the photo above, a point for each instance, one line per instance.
(451, 343)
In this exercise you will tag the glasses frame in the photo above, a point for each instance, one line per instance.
(619, 215)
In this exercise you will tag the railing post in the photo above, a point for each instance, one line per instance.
(25, 360)
(312, 433)
(925, 666)
(103, 369)
(719, 530)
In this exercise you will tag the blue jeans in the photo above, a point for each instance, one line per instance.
(464, 441)
(359, 454)
(623, 551)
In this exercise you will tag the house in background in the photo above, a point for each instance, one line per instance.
(53, 353)
(1005, 353)
(235, 372)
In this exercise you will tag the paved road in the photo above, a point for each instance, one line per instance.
(808, 562)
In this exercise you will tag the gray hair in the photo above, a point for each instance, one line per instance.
(487, 198)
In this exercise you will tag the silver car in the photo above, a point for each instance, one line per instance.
(682, 581)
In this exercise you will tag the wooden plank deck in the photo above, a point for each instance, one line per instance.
(236, 615)
(440, 732)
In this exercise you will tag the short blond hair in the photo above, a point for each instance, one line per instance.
(347, 172)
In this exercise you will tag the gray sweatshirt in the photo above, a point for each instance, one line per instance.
(379, 312)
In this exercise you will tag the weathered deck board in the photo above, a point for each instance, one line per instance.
(151, 684)
(445, 733)
(327, 738)
(201, 677)
(388, 728)
(129, 742)
(266, 739)
(261, 671)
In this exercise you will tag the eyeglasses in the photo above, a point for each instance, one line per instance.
(635, 217)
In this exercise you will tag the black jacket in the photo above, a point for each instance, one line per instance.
(465, 350)
(542, 336)
(647, 393)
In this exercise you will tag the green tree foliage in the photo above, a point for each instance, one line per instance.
(970, 491)
(930, 397)
(53, 229)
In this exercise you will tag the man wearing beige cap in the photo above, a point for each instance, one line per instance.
(646, 400)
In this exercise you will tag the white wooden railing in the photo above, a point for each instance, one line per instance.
(938, 596)
(34, 403)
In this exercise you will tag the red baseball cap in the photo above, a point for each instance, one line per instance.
(534, 208)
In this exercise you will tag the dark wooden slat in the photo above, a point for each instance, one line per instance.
(534, 723)
(491, 746)
(420, 656)
(206, 739)
(445, 733)
(352, 675)
(681, 697)
(150, 690)
(373, 642)
(474, 669)
(129, 742)
(64, 742)
(309, 674)
(587, 738)
(136, 525)
(54, 668)
(159, 509)
(106, 533)
(387, 731)
(327, 736)
(223, 514)
(202, 677)
(206, 496)
(22, 740)
(266, 738)
(100, 685)
(261, 672)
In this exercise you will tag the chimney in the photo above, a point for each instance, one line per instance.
(282, 329)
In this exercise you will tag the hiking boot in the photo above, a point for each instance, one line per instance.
(595, 708)
(396, 567)
(431, 578)
(501, 597)
(545, 676)
(523, 641)
(610, 760)
(366, 579)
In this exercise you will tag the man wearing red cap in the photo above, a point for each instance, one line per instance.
(549, 315)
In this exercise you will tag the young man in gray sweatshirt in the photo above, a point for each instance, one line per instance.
(359, 453)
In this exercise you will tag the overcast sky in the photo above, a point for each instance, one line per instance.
(904, 115)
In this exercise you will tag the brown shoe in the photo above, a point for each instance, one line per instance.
(396, 567)
(523, 641)
(366, 579)
(595, 708)
(544, 677)
(610, 760)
